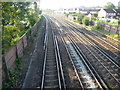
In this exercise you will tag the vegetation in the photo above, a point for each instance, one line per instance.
(14, 74)
(109, 23)
(18, 18)
(80, 17)
(97, 26)
(86, 21)
(109, 5)
(66, 14)
(118, 22)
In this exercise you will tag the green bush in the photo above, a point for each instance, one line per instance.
(97, 26)
(66, 14)
(80, 17)
(118, 22)
(17, 21)
(86, 21)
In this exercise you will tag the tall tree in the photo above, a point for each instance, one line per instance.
(109, 5)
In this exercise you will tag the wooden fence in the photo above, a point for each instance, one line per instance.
(17, 51)
(108, 28)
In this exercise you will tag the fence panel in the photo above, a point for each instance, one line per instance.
(17, 50)
(19, 46)
(113, 29)
(24, 41)
(107, 27)
(118, 30)
(10, 57)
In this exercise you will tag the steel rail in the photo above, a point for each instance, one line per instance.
(111, 53)
(45, 62)
(69, 56)
(76, 25)
(85, 64)
(91, 43)
(106, 68)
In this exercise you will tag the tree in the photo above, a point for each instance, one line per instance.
(95, 15)
(17, 18)
(109, 5)
(66, 14)
(118, 22)
(86, 21)
(80, 17)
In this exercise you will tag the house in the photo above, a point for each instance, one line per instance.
(117, 11)
(92, 12)
(71, 10)
(84, 11)
(72, 17)
(89, 12)
(107, 13)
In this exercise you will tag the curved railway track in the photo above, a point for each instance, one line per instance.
(101, 62)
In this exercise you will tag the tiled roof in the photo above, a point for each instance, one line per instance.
(89, 10)
(117, 10)
(109, 10)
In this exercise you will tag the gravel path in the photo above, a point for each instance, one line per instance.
(33, 61)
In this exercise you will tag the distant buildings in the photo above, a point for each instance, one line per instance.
(109, 13)
(80, 10)
(102, 13)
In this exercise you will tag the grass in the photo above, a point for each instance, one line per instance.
(115, 36)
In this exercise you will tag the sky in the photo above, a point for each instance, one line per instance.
(56, 4)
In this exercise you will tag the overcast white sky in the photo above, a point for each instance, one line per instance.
(56, 4)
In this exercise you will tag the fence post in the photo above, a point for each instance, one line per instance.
(16, 51)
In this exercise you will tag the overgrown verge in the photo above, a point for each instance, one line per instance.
(87, 23)
(113, 35)
(17, 18)
(15, 74)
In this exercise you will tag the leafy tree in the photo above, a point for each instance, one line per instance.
(80, 17)
(109, 5)
(98, 26)
(119, 22)
(86, 21)
(95, 15)
(66, 14)
(18, 18)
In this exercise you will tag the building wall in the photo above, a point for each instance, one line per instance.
(119, 5)
(101, 13)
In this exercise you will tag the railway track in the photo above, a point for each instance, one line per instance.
(108, 69)
(85, 75)
(102, 63)
(115, 44)
(110, 50)
(52, 68)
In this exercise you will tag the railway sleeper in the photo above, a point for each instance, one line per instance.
(53, 86)
(53, 80)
